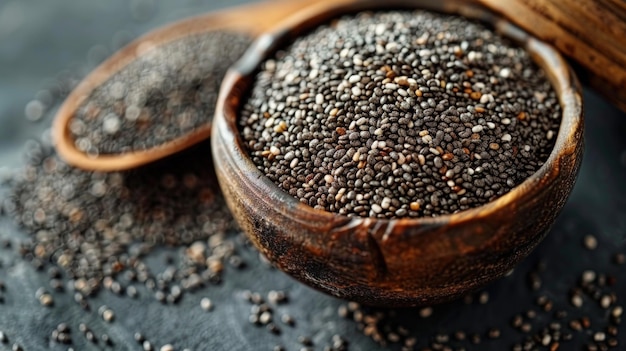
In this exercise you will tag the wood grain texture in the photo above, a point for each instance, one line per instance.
(592, 32)
(395, 262)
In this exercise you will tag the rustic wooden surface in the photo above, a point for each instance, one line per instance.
(592, 32)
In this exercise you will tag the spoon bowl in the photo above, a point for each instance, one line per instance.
(394, 262)
(249, 20)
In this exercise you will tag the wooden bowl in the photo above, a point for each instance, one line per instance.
(404, 262)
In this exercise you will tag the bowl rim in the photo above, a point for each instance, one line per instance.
(240, 78)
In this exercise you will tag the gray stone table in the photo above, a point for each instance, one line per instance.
(44, 44)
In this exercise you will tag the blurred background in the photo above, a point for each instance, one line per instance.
(47, 46)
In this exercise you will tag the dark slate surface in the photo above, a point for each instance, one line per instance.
(44, 42)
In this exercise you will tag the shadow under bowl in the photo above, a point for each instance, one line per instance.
(394, 262)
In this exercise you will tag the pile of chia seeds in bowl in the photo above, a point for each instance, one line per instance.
(400, 114)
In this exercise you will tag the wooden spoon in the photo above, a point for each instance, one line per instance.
(251, 20)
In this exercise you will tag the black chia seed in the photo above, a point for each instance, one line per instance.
(400, 114)
(62, 334)
(168, 92)
(106, 339)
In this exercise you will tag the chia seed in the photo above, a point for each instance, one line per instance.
(590, 242)
(88, 226)
(45, 298)
(108, 315)
(206, 304)
(169, 91)
(139, 338)
(305, 340)
(106, 339)
(399, 114)
(288, 320)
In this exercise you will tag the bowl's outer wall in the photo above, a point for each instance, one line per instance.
(395, 262)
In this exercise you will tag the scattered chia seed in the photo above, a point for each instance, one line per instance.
(305, 340)
(494, 333)
(273, 328)
(91, 337)
(277, 297)
(534, 281)
(540, 329)
(85, 222)
(288, 320)
(98, 227)
(426, 312)
(399, 114)
(590, 242)
(106, 339)
(265, 317)
(62, 334)
(34, 110)
(206, 304)
(483, 298)
(147, 346)
(131, 292)
(108, 315)
(45, 299)
(475, 339)
(168, 92)
(139, 338)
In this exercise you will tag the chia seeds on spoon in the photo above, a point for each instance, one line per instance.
(400, 114)
(164, 94)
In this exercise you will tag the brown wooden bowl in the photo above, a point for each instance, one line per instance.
(406, 261)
